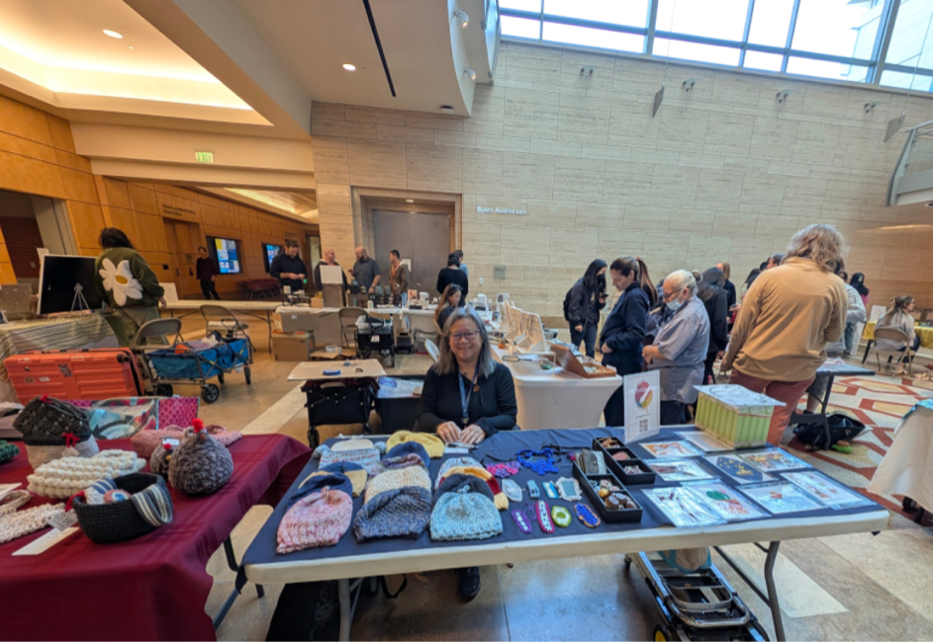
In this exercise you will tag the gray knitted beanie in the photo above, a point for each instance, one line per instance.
(465, 515)
(400, 512)
(200, 465)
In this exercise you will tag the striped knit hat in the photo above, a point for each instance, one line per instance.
(460, 461)
(406, 454)
(354, 472)
(413, 476)
(464, 515)
(432, 443)
(400, 512)
(455, 482)
(319, 519)
(499, 498)
(367, 457)
(317, 481)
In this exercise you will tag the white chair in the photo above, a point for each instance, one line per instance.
(432, 350)
(896, 336)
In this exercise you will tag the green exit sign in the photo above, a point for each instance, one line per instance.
(204, 156)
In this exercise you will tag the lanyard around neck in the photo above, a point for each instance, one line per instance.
(466, 399)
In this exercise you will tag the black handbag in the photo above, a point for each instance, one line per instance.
(840, 426)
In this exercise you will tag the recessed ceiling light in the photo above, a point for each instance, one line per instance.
(349, 67)
(131, 46)
(112, 34)
(463, 18)
(409, 201)
(470, 73)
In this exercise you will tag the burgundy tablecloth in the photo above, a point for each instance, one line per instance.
(151, 588)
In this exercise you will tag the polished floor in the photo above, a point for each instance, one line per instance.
(858, 587)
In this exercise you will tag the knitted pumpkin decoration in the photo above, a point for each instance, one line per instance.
(200, 465)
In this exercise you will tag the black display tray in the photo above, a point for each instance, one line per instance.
(610, 516)
(648, 477)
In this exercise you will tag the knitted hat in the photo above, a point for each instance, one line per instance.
(200, 465)
(406, 454)
(317, 481)
(455, 482)
(159, 459)
(65, 477)
(464, 515)
(413, 476)
(455, 462)
(352, 444)
(8, 451)
(367, 457)
(146, 441)
(400, 512)
(432, 443)
(319, 519)
(354, 472)
(499, 498)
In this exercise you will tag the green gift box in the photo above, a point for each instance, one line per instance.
(734, 415)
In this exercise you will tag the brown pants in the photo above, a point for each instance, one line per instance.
(788, 392)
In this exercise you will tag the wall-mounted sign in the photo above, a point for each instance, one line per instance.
(501, 211)
(204, 156)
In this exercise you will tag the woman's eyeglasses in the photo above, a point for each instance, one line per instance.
(464, 335)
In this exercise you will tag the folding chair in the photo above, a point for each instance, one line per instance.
(226, 321)
(347, 318)
(896, 336)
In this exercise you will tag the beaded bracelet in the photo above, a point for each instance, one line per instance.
(540, 467)
(504, 470)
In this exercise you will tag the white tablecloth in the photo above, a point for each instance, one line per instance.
(907, 467)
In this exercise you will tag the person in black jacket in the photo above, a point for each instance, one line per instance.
(585, 300)
(452, 274)
(207, 271)
(624, 329)
(289, 268)
(728, 285)
(715, 298)
(467, 397)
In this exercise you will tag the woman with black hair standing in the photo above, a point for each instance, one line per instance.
(585, 300)
(714, 296)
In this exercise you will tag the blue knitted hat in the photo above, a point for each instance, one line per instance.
(455, 482)
(459, 461)
(366, 457)
(318, 480)
(406, 454)
(465, 515)
(400, 512)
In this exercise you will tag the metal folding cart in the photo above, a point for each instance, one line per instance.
(700, 606)
(175, 363)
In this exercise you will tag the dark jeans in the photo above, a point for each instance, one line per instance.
(709, 368)
(588, 334)
(671, 412)
(207, 288)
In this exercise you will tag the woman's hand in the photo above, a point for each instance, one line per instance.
(579, 328)
(449, 432)
(162, 302)
(606, 349)
(472, 435)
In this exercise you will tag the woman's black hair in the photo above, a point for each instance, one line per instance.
(114, 238)
(857, 281)
(711, 280)
(454, 259)
(751, 277)
(592, 281)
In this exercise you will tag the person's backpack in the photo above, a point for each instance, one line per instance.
(840, 426)
(567, 303)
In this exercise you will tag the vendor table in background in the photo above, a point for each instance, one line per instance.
(78, 332)
(349, 559)
(151, 588)
(907, 467)
(556, 398)
(253, 308)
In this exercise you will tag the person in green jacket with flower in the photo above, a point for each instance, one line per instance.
(128, 284)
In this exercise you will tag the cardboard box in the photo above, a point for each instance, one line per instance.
(299, 322)
(293, 347)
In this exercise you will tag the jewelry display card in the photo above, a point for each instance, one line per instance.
(738, 469)
(829, 492)
(729, 505)
(670, 449)
(681, 507)
(773, 460)
(677, 471)
(780, 497)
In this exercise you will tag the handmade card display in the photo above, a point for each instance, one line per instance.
(681, 507)
(773, 460)
(679, 470)
(727, 503)
(738, 469)
(670, 449)
(829, 492)
(705, 442)
(780, 497)
(735, 414)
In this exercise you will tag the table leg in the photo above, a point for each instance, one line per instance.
(771, 590)
(238, 585)
(344, 600)
(867, 351)
(826, 429)
(269, 329)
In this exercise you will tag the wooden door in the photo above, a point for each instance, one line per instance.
(183, 258)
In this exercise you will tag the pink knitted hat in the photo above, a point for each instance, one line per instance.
(319, 519)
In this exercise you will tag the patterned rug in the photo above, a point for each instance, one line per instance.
(879, 402)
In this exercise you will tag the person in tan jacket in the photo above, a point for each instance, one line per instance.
(787, 318)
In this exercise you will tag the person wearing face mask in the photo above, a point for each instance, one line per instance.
(585, 300)
(622, 336)
(467, 397)
(680, 347)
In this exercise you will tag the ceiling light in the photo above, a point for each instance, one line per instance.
(112, 34)
(410, 201)
(463, 17)
(131, 46)
(349, 67)
(470, 73)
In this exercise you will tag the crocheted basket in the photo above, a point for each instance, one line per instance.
(119, 521)
(41, 454)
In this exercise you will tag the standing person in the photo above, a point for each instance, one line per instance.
(461, 264)
(622, 335)
(289, 268)
(715, 298)
(647, 284)
(206, 268)
(899, 317)
(584, 303)
(856, 314)
(789, 315)
(366, 271)
(857, 281)
(446, 306)
(467, 397)
(399, 279)
(773, 261)
(452, 274)
(129, 285)
(328, 260)
(724, 267)
(680, 347)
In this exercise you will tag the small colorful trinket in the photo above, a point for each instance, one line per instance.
(503, 470)
(512, 490)
(522, 521)
(561, 516)
(545, 518)
(550, 490)
(115, 496)
(586, 516)
(533, 489)
(619, 501)
(568, 489)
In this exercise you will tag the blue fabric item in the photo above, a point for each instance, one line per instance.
(671, 558)
(465, 515)
(341, 468)
(403, 512)
(455, 482)
(624, 331)
(317, 481)
(206, 363)
(399, 455)
(154, 504)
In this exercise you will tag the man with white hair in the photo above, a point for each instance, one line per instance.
(680, 347)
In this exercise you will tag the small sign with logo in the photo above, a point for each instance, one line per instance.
(641, 399)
